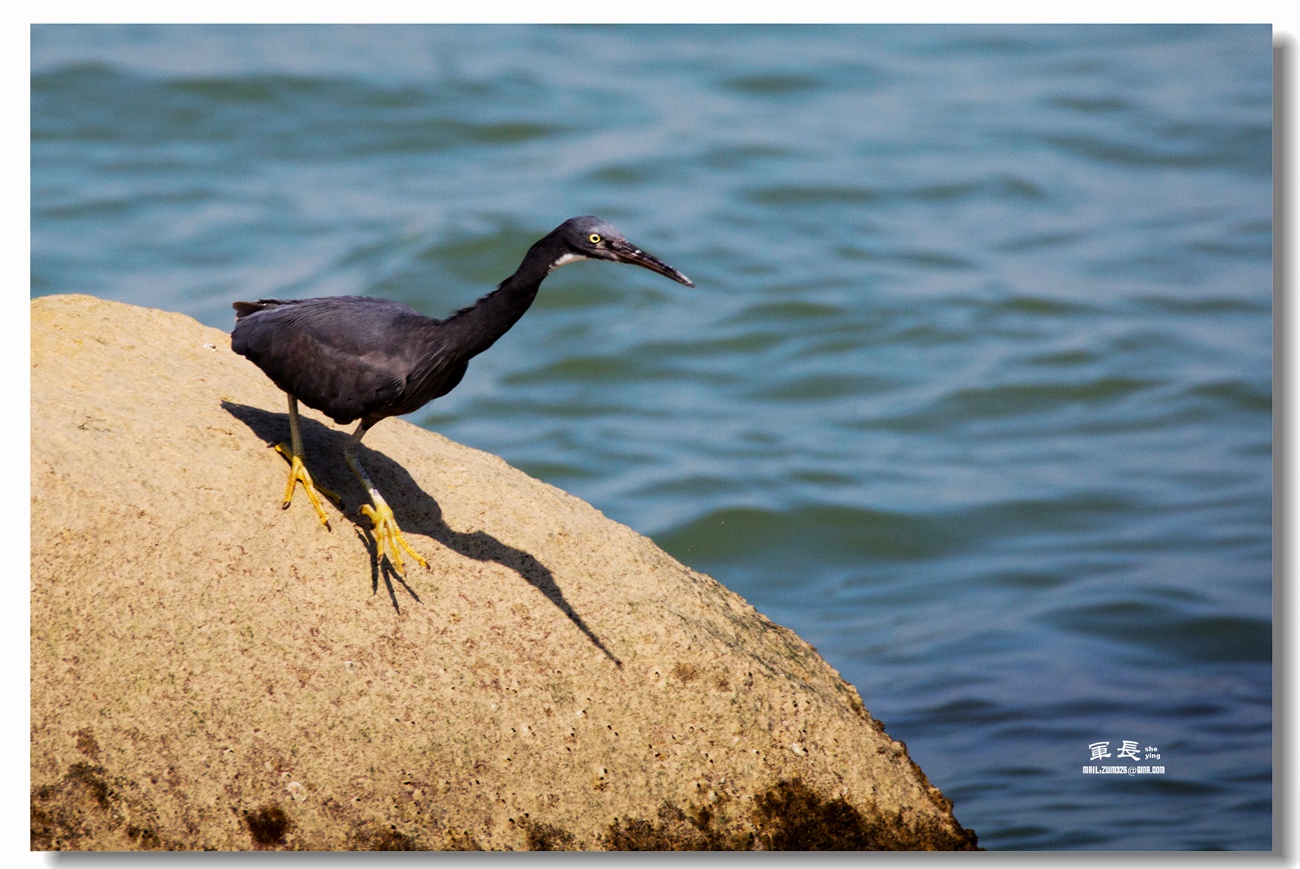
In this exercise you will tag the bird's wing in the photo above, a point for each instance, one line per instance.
(345, 356)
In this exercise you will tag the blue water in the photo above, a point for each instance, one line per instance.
(974, 393)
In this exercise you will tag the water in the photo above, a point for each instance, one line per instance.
(974, 394)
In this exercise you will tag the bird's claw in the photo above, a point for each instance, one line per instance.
(388, 537)
(298, 474)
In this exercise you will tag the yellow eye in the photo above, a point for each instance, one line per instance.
(594, 238)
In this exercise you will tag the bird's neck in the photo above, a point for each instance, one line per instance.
(480, 325)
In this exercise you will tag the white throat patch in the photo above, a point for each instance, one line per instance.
(565, 260)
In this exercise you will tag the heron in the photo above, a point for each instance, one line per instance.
(363, 358)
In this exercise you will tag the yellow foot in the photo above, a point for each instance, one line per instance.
(298, 474)
(388, 537)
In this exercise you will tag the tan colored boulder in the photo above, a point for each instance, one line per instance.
(212, 672)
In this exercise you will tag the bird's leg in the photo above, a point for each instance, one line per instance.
(298, 470)
(388, 537)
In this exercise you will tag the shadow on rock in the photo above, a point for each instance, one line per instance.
(416, 511)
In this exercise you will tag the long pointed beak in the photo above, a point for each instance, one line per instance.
(625, 253)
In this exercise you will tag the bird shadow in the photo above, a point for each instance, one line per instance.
(324, 457)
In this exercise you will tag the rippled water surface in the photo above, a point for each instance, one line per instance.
(974, 393)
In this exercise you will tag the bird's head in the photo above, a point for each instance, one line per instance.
(592, 238)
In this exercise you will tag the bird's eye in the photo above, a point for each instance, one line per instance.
(594, 238)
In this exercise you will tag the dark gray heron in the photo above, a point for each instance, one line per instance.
(354, 357)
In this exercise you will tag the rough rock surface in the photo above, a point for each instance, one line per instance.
(210, 671)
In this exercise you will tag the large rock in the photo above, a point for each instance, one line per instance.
(210, 671)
